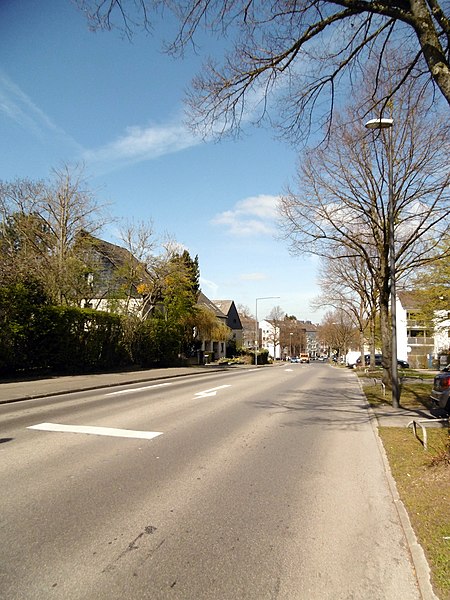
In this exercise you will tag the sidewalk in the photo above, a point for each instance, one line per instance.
(37, 388)
(387, 416)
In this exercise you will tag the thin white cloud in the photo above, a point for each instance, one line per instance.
(252, 216)
(19, 107)
(143, 143)
(137, 144)
(210, 288)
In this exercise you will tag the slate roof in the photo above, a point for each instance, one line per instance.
(224, 305)
(205, 301)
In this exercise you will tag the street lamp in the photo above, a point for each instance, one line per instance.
(290, 345)
(388, 124)
(256, 325)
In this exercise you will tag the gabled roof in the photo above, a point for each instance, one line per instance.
(224, 305)
(204, 301)
(114, 254)
(248, 322)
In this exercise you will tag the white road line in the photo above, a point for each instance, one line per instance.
(109, 431)
(211, 392)
(141, 389)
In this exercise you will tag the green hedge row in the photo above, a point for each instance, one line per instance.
(36, 337)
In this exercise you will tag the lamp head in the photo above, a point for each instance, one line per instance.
(379, 123)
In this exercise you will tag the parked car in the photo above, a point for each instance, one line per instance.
(294, 359)
(378, 358)
(378, 361)
(441, 389)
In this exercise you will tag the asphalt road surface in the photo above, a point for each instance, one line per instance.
(250, 484)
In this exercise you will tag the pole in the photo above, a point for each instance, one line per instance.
(387, 124)
(392, 268)
(256, 333)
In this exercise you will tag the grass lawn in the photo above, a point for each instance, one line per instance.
(414, 388)
(422, 477)
(423, 482)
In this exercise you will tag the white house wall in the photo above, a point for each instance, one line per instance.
(402, 331)
(441, 333)
(267, 334)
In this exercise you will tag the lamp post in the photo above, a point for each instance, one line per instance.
(388, 124)
(256, 325)
(290, 345)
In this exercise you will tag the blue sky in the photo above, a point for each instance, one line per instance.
(69, 95)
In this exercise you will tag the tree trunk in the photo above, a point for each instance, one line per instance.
(431, 47)
(386, 339)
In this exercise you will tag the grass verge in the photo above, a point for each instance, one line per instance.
(422, 477)
(412, 395)
(423, 482)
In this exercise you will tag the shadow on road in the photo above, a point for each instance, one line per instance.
(346, 410)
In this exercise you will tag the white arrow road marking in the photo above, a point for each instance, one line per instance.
(289, 370)
(211, 392)
(132, 390)
(110, 431)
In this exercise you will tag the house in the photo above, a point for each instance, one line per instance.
(210, 349)
(112, 278)
(249, 332)
(312, 343)
(228, 308)
(419, 342)
(270, 338)
(298, 337)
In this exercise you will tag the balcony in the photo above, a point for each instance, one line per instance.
(421, 341)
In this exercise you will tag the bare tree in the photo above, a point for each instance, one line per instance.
(275, 318)
(244, 311)
(301, 51)
(337, 331)
(347, 285)
(341, 208)
(139, 240)
(293, 335)
(47, 218)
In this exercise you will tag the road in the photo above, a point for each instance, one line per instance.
(250, 484)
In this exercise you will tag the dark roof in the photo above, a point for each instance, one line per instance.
(224, 305)
(307, 325)
(204, 301)
(116, 255)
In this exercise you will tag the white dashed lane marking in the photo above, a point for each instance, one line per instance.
(108, 431)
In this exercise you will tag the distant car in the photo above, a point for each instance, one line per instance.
(304, 358)
(441, 390)
(294, 359)
(378, 359)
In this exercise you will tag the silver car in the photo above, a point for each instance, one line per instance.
(440, 394)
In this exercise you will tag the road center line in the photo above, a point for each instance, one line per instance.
(108, 431)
